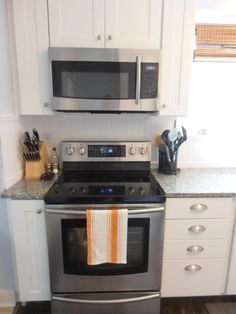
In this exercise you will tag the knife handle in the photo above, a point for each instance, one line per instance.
(35, 132)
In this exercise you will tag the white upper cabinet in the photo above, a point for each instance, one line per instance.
(30, 24)
(176, 56)
(76, 23)
(133, 24)
(100, 23)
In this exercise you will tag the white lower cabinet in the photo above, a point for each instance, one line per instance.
(29, 243)
(180, 282)
(197, 246)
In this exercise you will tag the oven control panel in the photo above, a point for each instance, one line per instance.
(105, 189)
(105, 151)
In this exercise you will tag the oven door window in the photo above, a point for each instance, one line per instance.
(75, 249)
(94, 80)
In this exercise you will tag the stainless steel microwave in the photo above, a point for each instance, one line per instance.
(104, 80)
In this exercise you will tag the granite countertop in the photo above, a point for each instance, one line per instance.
(28, 190)
(199, 182)
(192, 182)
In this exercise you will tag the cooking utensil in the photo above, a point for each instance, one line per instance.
(180, 139)
(167, 143)
(172, 136)
(159, 141)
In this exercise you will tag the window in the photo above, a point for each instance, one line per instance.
(215, 41)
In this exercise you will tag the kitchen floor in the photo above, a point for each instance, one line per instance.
(212, 305)
(6, 310)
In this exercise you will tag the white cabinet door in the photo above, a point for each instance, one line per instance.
(28, 232)
(31, 43)
(176, 56)
(178, 281)
(76, 23)
(133, 24)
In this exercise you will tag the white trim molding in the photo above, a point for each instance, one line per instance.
(8, 118)
(7, 298)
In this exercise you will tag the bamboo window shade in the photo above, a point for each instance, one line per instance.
(215, 40)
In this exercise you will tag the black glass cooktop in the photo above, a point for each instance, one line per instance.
(105, 187)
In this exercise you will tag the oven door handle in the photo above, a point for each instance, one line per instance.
(128, 300)
(83, 212)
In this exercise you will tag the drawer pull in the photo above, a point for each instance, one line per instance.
(198, 207)
(193, 268)
(197, 228)
(195, 249)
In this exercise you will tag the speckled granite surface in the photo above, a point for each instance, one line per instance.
(194, 182)
(199, 182)
(28, 189)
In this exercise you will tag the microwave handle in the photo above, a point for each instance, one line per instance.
(138, 79)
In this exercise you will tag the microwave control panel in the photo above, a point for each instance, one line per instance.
(149, 81)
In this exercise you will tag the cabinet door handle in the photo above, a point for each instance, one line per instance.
(195, 249)
(99, 37)
(193, 268)
(46, 104)
(109, 37)
(197, 229)
(198, 207)
(39, 211)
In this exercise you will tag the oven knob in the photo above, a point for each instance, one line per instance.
(142, 151)
(141, 190)
(131, 191)
(83, 190)
(70, 150)
(132, 151)
(81, 150)
(72, 190)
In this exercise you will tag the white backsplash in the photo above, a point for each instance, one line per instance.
(99, 127)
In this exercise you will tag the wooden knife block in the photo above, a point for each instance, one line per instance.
(34, 169)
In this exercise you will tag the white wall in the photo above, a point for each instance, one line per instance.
(212, 110)
(126, 127)
(10, 162)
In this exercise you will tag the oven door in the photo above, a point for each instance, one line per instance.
(67, 243)
(85, 79)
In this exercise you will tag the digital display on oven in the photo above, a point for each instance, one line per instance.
(106, 190)
(106, 150)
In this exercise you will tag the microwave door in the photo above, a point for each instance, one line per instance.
(96, 85)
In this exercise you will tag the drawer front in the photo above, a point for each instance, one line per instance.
(209, 280)
(189, 249)
(195, 208)
(201, 229)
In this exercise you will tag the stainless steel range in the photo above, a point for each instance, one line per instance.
(105, 175)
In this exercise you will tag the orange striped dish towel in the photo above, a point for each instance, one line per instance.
(107, 236)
